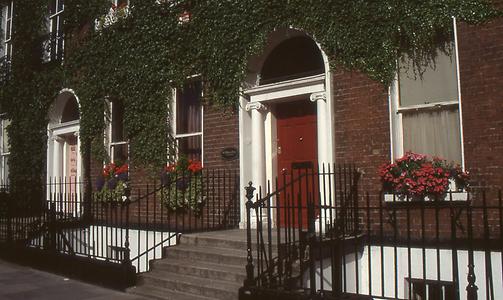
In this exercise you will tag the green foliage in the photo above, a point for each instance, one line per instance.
(116, 194)
(183, 191)
(139, 59)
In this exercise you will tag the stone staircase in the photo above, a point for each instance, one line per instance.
(203, 266)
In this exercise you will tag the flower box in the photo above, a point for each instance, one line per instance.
(182, 186)
(113, 184)
(415, 178)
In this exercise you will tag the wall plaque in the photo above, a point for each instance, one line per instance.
(230, 153)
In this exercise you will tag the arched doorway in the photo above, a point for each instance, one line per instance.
(286, 119)
(64, 161)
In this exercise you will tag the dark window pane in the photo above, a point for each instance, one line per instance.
(8, 30)
(52, 6)
(71, 111)
(54, 26)
(118, 121)
(188, 108)
(190, 147)
(60, 5)
(119, 153)
(294, 58)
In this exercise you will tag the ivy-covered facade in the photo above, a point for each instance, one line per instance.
(90, 82)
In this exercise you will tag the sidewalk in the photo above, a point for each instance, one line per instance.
(20, 282)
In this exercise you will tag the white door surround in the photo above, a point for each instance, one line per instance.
(60, 136)
(257, 121)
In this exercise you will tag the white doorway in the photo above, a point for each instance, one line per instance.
(64, 162)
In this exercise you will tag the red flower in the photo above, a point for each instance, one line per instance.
(122, 169)
(109, 170)
(195, 166)
(415, 175)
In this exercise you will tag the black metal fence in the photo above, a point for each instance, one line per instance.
(314, 234)
(128, 226)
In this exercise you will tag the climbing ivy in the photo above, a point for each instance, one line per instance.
(141, 57)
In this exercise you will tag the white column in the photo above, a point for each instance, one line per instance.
(57, 154)
(258, 143)
(49, 155)
(79, 171)
(322, 127)
(79, 160)
(325, 150)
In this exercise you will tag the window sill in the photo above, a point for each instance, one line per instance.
(458, 197)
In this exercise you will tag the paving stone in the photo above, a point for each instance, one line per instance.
(23, 283)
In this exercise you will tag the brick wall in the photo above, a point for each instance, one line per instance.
(221, 130)
(481, 74)
(361, 125)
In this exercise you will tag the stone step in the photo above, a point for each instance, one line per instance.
(213, 241)
(205, 287)
(208, 254)
(152, 292)
(222, 241)
(202, 269)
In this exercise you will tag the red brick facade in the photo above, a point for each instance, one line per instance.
(481, 74)
(362, 134)
(221, 131)
(362, 122)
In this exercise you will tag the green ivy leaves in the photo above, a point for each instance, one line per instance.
(142, 57)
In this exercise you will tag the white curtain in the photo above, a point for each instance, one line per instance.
(435, 133)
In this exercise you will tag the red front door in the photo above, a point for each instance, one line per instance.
(297, 156)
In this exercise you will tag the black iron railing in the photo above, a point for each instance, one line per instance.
(129, 227)
(285, 220)
(318, 235)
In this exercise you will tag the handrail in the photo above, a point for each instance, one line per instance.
(153, 247)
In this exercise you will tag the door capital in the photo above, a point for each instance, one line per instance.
(255, 106)
(320, 96)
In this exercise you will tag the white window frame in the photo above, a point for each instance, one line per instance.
(4, 156)
(174, 120)
(7, 34)
(396, 128)
(110, 143)
(53, 54)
